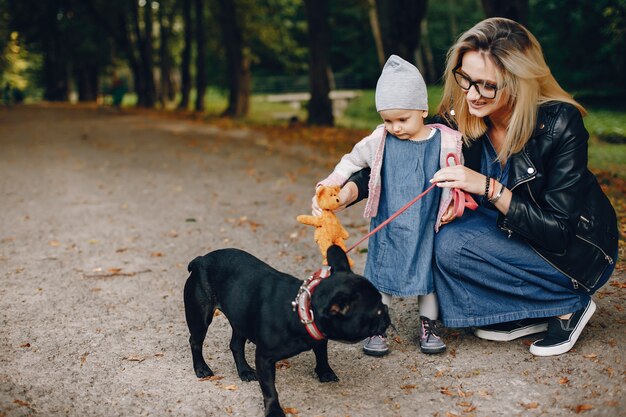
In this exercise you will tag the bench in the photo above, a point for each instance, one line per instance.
(340, 100)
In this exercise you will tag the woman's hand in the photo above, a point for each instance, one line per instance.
(460, 177)
(349, 192)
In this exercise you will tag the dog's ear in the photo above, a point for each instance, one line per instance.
(337, 259)
(340, 305)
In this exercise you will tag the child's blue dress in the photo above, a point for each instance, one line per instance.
(399, 260)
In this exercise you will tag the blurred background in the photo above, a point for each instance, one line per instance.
(286, 61)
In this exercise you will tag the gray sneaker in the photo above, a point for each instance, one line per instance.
(376, 346)
(430, 340)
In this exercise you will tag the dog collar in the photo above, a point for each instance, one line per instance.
(302, 303)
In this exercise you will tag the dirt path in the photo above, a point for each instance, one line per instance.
(100, 214)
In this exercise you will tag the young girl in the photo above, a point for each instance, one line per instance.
(403, 155)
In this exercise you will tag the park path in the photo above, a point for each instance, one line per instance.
(100, 213)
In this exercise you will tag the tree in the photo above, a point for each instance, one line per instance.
(320, 105)
(201, 82)
(239, 77)
(166, 15)
(400, 22)
(517, 10)
(185, 67)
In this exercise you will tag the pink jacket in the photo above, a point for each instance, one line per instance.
(368, 152)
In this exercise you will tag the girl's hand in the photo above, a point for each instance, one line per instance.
(449, 215)
(461, 177)
(349, 192)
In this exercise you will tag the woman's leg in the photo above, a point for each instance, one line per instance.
(483, 277)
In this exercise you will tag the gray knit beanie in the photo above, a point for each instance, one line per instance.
(401, 86)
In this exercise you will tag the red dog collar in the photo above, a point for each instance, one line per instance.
(303, 302)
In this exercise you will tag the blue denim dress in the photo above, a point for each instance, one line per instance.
(484, 277)
(399, 260)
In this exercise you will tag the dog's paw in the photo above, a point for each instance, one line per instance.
(248, 375)
(203, 371)
(327, 377)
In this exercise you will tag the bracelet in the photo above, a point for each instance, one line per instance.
(487, 186)
(497, 197)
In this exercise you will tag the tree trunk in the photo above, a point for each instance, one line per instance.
(320, 106)
(185, 66)
(400, 22)
(238, 61)
(427, 67)
(201, 82)
(87, 82)
(56, 80)
(378, 39)
(145, 87)
(165, 85)
(517, 10)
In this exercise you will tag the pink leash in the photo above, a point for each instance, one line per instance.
(460, 197)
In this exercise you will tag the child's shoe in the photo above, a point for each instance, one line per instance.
(376, 346)
(430, 340)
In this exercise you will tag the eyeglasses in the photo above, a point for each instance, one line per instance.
(485, 89)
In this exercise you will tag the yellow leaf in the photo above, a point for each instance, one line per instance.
(530, 406)
(231, 387)
(583, 407)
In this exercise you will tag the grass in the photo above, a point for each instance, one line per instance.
(361, 114)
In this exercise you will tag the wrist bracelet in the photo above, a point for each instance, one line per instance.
(487, 186)
(492, 187)
(497, 197)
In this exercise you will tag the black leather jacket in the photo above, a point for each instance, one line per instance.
(557, 206)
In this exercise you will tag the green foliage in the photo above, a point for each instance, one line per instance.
(583, 42)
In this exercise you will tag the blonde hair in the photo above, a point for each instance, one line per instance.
(520, 68)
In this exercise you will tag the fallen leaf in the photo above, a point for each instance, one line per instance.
(291, 410)
(83, 358)
(527, 343)
(465, 394)
(22, 403)
(590, 356)
(25, 345)
(54, 244)
(156, 254)
(583, 407)
(449, 414)
(408, 387)
(211, 378)
(114, 270)
(564, 380)
(530, 406)
(446, 391)
(438, 374)
(135, 358)
(230, 387)
(284, 364)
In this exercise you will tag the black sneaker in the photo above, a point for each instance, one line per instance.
(510, 330)
(563, 334)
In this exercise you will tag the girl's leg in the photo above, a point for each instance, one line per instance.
(429, 337)
(376, 345)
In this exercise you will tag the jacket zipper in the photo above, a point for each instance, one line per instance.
(607, 257)
(575, 283)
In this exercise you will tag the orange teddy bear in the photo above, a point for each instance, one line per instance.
(328, 229)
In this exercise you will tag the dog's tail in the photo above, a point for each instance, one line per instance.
(198, 272)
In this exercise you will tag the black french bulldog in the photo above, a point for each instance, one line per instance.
(257, 300)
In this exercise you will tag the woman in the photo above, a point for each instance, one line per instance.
(545, 236)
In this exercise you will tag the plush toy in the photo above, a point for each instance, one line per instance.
(328, 229)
